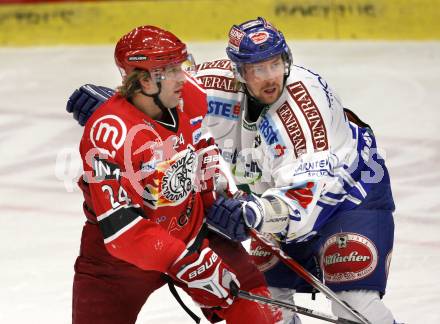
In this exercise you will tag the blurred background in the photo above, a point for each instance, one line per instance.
(33, 22)
(382, 57)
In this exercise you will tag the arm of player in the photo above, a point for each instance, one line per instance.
(308, 192)
(128, 234)
(288, 210)
(213, 177)
(85, 100)
(232, 217)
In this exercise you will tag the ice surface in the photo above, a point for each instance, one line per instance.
(393, 86)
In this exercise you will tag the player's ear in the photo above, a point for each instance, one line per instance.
(146, 82)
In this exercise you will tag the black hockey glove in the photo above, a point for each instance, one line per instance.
(85, 100)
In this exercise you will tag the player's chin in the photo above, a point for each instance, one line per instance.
(173, 102)
(269, 96)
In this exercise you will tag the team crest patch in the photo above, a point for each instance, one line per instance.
(263, 258)
(176, 178)
(259, 37)
(235, 37)
(348, 257)
(177, 182)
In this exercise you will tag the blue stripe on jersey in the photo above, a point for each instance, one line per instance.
(355, 185)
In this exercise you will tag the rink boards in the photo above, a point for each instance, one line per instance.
(103, 22)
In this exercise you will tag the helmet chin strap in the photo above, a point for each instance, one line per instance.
(251, 98)
(155, 97)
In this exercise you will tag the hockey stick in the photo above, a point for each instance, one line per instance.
(307, 276)
(297, 309)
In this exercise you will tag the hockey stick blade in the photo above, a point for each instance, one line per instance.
(307, 276)
(297, 309)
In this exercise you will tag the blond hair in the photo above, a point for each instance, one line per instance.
(130, 83)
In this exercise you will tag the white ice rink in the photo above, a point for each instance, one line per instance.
(393, 86)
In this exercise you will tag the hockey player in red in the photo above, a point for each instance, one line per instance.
(144, 200)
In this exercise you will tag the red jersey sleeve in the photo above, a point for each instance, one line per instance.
(117, 202)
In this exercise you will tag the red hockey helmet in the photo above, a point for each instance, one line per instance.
(148, 48)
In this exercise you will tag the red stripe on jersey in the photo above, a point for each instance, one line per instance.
(293, 128)
(311, 113)
(219, 64)
(218, 82)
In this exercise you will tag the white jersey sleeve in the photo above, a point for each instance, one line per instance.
(316, 156)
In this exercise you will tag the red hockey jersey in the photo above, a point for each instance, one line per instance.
(141, 178)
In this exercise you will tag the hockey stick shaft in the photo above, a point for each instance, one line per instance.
(297, 309)
(307, 276)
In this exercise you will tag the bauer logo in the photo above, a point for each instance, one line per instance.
(348, 257)
(205, 266)
(259, 37)
(108, 134)
(136, 58)
(261, 255)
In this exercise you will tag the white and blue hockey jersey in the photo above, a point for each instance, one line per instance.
(302, 149)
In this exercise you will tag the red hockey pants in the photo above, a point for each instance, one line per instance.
(107, 290)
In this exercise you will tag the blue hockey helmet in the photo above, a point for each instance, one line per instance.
(255, 41)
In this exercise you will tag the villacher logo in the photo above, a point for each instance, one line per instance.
(262, 256)
(348, 257)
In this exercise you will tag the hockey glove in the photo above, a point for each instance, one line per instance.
(232, 217)
(207, 277)
(207, 170)
(85, 100)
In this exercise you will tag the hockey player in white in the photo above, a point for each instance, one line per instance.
(319, 187)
